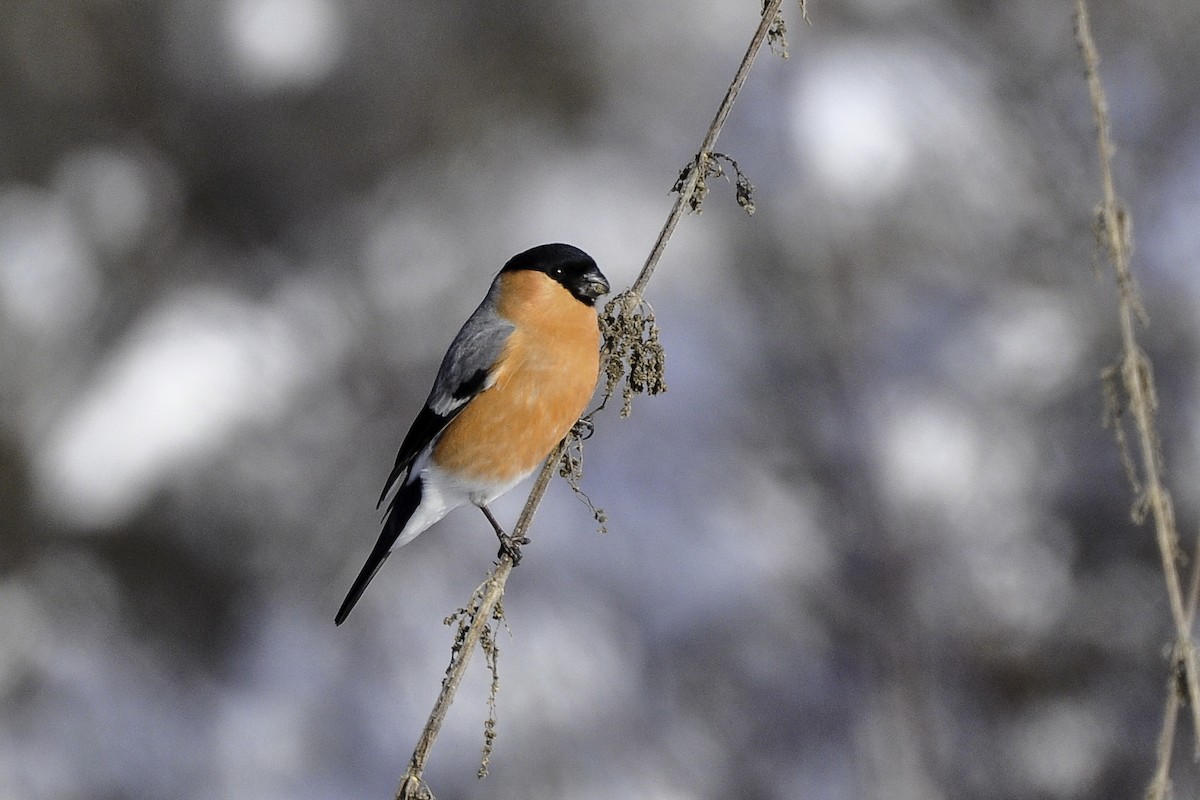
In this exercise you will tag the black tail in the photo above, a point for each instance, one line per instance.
(407, 498)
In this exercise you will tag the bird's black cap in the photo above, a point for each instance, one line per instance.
(568, 265)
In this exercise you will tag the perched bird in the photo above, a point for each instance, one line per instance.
(515, 379)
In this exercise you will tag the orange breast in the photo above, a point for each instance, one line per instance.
(544, 379)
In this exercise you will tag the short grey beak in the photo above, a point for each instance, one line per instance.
(596, 285)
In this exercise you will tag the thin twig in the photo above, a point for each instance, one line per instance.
(1138, 383)
(770, 12)
(412, 785)
(1160, 783)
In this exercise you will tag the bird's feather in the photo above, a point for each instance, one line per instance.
(406, 501)
(466, 371)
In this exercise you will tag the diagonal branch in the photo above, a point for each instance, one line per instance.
(486, 598)
(1160, 784)
(1113, 228)
(688, 184)
(481, 608)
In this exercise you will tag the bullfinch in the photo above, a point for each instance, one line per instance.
(516, 378)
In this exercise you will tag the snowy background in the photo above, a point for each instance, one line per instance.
(873, 543)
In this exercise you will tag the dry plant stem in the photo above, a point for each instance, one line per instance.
(412, 785)
(770, 12)
(1160, 784)
(493, 590)
(1138, 382)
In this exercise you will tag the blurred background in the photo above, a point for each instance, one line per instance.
(873, 543)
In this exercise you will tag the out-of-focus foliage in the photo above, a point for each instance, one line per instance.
(872, 544)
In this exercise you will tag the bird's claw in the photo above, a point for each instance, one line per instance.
(511, 547)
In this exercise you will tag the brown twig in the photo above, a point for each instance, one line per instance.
(688, 185)
(483, 603)
(480, 609)
(1137, 380)
(1160, 783)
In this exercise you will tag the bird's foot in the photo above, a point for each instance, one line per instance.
(508, 545)
(511, 547)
